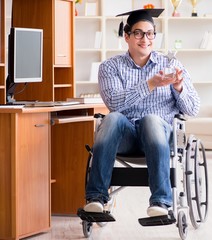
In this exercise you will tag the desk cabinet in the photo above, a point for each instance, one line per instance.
(24, 174)
(70, 132)
(42, 165)
(68, 164)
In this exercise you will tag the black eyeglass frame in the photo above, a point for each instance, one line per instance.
(142, 33)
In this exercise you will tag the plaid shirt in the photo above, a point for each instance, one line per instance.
(123, 87)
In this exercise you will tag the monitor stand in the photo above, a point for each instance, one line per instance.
(10, 90)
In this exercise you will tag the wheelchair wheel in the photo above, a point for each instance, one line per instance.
(87, 228)
(182, 225)
(196, 182)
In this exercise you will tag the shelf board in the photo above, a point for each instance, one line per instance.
(88, 50)
(85, 82)
(62, 85)
(203, 82)
(125, 17)
(62, 66)
(115, 50)
(88, 17)
(193, 50)
(188, 18)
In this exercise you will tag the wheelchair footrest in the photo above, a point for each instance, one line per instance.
(158, 221)
(95, 216)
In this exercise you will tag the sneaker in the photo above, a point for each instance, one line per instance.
(94, 205)
(157, 209)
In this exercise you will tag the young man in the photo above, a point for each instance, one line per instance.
(143, 102)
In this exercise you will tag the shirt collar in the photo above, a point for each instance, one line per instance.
(153, 59)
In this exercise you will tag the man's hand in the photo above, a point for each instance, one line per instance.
(161, 79)
(178, 85)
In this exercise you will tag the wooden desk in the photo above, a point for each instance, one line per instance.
(39, 146)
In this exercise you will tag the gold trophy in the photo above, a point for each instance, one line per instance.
(194, 4)
(175, 4)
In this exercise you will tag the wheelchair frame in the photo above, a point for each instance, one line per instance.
(190, 192)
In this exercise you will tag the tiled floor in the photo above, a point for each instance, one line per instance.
(131, 204)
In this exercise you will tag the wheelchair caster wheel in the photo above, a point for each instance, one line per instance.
(87, 228)
(101, 224)
(182, 225)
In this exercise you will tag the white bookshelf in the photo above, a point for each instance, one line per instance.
(189, 30)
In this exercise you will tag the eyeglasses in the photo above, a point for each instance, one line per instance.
(139, 34)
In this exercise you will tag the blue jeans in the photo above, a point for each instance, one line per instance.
(116, 134)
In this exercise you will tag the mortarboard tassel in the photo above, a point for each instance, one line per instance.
(121, 29)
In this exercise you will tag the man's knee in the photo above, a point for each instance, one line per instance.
(151, 120)
(113, 123)
(152, 126)
(113, 119)
(155, 130)
(149, 123)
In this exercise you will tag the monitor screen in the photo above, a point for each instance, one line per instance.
(25, 58)
(27, 54)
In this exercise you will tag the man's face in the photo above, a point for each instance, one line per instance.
(140, 47)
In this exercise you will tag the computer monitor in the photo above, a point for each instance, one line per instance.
(25, 58)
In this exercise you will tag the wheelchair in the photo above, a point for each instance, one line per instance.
(188, 176)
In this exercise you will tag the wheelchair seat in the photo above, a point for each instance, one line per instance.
(132, 159)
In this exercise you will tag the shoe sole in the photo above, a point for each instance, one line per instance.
(94, 207)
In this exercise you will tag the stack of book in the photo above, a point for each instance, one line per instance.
(86, 100)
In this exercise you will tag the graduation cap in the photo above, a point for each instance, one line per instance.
(139, 15)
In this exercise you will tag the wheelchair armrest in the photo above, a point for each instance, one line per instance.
(180, 116)
(98, 115)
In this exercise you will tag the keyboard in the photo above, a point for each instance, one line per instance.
(12, 105)
(50, 104)
(66, 103)
(38, 104)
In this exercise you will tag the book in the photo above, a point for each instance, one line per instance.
(98, 40)
(94, 72)
(91, 8)
(86, 99)
(204, 40)
(209, 41)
